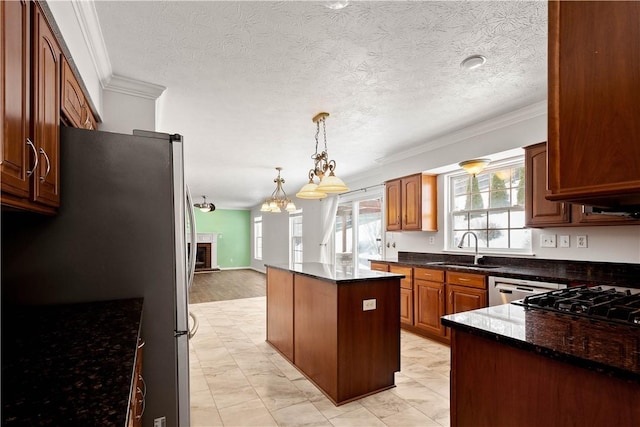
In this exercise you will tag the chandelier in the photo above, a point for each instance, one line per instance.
(321, 165)
(204, 206)
(278, 198)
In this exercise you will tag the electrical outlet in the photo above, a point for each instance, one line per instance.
(368, 304)
(547, 240)
(564, 241)
(581, 241)
(432, 240)
(160, 422)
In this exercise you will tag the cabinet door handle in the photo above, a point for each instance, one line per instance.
(144, 385)
(144, 405)
(462, 279)
(42, 178)
(440, 295)
(35, 155)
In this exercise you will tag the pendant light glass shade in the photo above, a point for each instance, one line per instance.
(323, 169)
(331, 184)
(310, 191)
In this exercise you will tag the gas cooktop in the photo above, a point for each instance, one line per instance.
(620, 305)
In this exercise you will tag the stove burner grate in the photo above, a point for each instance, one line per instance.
(597, 303)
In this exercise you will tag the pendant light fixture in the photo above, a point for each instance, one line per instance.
(328, 183)
(474, 166)
(278, 198)
(204, 206)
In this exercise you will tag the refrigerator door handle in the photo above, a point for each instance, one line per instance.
(194, 244)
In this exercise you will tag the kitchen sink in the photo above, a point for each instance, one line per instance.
(462, 265)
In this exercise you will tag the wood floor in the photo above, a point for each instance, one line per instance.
(227, 285)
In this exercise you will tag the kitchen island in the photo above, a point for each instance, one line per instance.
(340, 329)
(514, 366)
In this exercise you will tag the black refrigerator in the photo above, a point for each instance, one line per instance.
(120, 232)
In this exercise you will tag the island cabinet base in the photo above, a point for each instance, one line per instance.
(493, 384)
(347, 352)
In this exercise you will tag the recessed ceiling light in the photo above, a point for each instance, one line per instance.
(337, 4)
(473, 61)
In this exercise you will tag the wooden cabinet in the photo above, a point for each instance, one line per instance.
(540, 212)
(393, 202)
(594, 82)
(46, 111)
(411, 203)
(15, 69)
(75, 108)
(466, 291)
(139, 392)
(406, 293)
(429, 306)
(30, 109)
(463, 298)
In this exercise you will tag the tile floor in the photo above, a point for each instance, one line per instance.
(237, 379)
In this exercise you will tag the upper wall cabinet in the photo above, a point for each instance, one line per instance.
(46, 111)
(15, 105)
(540, 212)
(594, 113)
(411, 203)
(30, 109)
(32, 69)
(75, 108)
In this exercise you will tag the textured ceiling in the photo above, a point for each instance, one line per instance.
(245, 78)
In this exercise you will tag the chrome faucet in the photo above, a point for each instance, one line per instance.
(476, 257)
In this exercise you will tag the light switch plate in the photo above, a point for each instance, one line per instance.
(564, 241)
(547, 240)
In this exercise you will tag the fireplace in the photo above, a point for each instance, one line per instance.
(206, 255)
(203, 256)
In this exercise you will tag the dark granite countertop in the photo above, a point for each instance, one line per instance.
(69, 365)
(607, 347)
(557, 271)
(331, 273)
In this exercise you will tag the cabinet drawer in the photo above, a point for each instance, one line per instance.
(407, 282)
(428, 274)
(379, 266)
(467, 279)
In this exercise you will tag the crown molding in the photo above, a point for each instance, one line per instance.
(89, 23)
(134, 87)
(526, 113)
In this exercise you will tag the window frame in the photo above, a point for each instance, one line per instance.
(450, 231)
(257, 237)
(293, 217)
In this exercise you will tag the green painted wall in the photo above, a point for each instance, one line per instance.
(234, 235)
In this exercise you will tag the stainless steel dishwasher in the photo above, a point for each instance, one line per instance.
(503, 290)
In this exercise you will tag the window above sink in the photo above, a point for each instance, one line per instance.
(492, 205)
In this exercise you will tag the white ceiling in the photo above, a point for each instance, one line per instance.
(244, 79)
